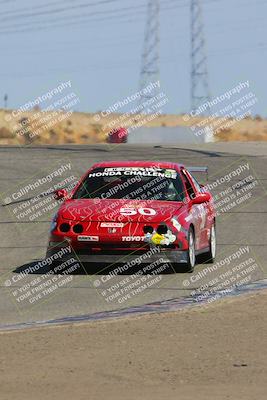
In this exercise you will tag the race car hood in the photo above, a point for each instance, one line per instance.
(119, 210)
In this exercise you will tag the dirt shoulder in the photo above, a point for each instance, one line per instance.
(214, 352)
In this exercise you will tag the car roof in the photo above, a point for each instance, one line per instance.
(138, 163)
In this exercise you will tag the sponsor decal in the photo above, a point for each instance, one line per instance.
(83, 238)
(133, 238)
(112, 225)
(178, 226)
(141, 171)
(200, 214)
(160, 239)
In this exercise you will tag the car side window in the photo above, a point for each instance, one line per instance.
(189, 187)
(197, 185)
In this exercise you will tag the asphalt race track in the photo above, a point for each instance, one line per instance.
(241, 228)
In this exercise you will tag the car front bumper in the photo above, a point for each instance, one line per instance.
(148, 257)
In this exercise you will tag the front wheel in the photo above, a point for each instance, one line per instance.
(190, 255)
(209, 257)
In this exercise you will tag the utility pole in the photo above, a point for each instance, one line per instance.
(199, 71)
(150, 56)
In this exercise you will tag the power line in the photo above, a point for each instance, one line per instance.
(18, 10)
(83, 15)
(58, 10)
(7, 1)
(79, 19)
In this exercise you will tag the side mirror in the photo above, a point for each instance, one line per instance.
(201, 198)
(60, 194)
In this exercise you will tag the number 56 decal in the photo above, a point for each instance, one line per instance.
(133, 211)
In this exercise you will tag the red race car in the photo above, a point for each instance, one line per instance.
(126, 209)
(118, 135)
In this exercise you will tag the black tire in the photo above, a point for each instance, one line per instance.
(191, 261)
(191, 253)
(210, 256)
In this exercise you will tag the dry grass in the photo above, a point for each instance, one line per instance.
(82, 128)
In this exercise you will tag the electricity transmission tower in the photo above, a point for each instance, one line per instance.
(150, 55)
(199, 72)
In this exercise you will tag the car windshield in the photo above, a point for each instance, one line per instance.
(136, 183)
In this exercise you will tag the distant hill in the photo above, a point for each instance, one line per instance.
(86, 128)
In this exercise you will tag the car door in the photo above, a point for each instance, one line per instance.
(198, 213)
(208, 205)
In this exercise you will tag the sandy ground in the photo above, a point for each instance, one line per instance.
(214, 352)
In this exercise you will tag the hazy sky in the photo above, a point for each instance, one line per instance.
(97, 44)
